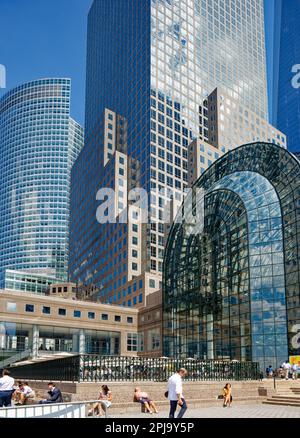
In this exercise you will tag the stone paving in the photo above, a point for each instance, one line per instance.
(243, 411)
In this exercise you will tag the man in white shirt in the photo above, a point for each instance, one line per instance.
(6, 388)
(286, 367)
(175, 394)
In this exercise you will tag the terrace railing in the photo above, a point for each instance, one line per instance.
(94, 368)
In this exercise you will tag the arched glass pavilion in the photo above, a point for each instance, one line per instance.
(231, 266)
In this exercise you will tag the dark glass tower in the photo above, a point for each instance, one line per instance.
(286, 71)
(154, 62)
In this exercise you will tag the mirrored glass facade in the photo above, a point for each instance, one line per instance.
(286, 71)
(39, 143)
(153, 62)
(231, 267)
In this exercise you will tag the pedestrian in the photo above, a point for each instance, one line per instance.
(286, 368)
(55, 395)
(227, 396)
(143, 398)
(106, 396)
(175, 394)
(295, 371)
(6, 388)
(269, 371)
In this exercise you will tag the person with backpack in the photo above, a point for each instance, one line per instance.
(269, 371)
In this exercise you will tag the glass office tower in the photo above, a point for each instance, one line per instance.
(286, 71)
(39, 143)
(153, 62)
(231, 266)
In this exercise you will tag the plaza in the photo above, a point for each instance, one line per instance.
(243, 411)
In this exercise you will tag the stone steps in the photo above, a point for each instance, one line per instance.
(281, 403)
(284, 399)
(123, 408)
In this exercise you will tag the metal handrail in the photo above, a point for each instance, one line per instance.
(12, 359)
(48, 410)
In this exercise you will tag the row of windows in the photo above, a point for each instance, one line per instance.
(30, 308)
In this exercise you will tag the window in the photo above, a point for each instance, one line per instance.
(91, 315)
(134, 301)
(134, 240)
(140, 298)
(29, 308)
(77, 314)
(134, 266)
(121, 160)
(154, 339)
(104, 316)
(62, 312)
(117, 318)
(132, 342)
(135, 228)
(110, 116)
(129, 319)
(134, 253)
(11, 307)
(151, 283)
(46, 310)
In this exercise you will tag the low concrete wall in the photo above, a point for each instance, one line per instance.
(198, 394)
(204, 393)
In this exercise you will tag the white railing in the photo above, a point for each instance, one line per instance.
(80, 409)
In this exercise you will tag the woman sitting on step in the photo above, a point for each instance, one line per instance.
(143, 398)
(106, 397)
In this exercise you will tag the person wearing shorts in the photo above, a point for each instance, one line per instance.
(143, 398)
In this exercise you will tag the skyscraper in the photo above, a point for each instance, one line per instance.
(286, 71)
(155, 62)
(39, 143)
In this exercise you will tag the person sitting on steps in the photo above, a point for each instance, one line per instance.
(143, 398)
(227, 397)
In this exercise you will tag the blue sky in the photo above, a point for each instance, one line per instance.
(47, 38)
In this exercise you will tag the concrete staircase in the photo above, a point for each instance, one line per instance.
(285, 397)
(45, 357)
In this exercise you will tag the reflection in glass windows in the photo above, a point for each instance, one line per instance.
(231, 270)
